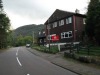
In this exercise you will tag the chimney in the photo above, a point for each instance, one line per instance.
(77, 11)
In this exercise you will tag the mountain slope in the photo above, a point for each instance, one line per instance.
(28, 30)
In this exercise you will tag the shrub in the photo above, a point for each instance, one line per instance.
(53, 49)
(85, 59)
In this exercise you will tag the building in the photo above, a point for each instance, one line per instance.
(68, 26)
(41, 38)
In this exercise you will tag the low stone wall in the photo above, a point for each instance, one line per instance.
(85, 59)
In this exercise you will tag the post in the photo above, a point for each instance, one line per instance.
(49, 37)
(48, 26)
(33, 37)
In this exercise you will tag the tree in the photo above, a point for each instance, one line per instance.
(28, 39)
(93, 20)
(1, 7)
(4, 27)
(97, 26)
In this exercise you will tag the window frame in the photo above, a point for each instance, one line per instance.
(63, 34)
(69, 20)
(62, 22)
(84, 20)
(54, 24)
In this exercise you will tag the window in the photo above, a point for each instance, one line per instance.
(66, 21)
(54, 24)
(40, 40)
(84, 20)
(66, 34)
(39, 33)
(61, 22)
(43, 32)
(62, 35)
(70, 33)
(69, 20)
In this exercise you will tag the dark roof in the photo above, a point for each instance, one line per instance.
(60, 14)
(42, 36)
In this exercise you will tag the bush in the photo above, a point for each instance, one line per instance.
(53, 49)
(70, 55)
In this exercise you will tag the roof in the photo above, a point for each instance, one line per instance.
(60, 14)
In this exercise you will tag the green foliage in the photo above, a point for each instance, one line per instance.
(4, 22)
(28, 30)
(10, 39)
(93, 20)
(53, 49)
(1, 5)
(23, 40)
(4, 29)
(25, 34)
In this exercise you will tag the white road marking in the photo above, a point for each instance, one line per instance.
(17, 52)
(18, 61)
(28, 74)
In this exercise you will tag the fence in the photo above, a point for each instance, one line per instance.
(83, 49)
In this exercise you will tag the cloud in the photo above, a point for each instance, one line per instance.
(28, 8)
(22, 12)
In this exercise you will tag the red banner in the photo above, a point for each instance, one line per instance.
(55, 38)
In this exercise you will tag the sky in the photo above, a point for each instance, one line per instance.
(24, 12)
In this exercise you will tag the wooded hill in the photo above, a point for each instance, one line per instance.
(28, 30)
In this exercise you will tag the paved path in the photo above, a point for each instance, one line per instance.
(59, 60)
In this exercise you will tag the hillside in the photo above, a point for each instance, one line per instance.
(27, 30)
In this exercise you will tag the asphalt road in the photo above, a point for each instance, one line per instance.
(19, 61)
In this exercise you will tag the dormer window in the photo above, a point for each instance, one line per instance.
(54, 24)
(69, 20)
(61, 22)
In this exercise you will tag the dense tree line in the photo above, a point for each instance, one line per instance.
(23, 40)
(26, 34)
(4, 27)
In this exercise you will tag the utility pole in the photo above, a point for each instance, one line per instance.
(33, 37)
(48, 26)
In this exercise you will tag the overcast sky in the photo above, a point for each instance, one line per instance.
(23, 12)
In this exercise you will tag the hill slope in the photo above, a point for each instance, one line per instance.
(28, 30)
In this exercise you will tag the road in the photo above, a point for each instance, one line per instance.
(19, 61)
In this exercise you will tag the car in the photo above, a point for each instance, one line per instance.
(27, 45)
